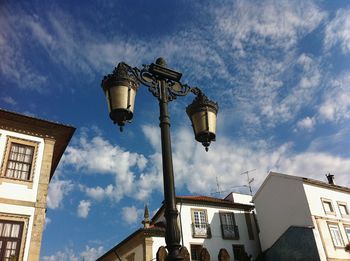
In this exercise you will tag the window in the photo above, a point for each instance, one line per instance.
(328, 206)
(10, 239)
(131, 257)
(200, 226)
(343, 209)
(195, 251)
(336, 236)
(239, 253)
(347, 231)
(229, 228)
(20, 161)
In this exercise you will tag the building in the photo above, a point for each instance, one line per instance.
(208, 222)
(302, 218)
(30, 150)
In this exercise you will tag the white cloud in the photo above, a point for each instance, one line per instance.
(83, 208)
(197, 170)
(278, 24)
(14, 67)
(91, 253)
(47, 222)
(68, 254)
(338, 31)
(131, 214)
(307, 123)
(57, 190)
(9, 100)
(96, 155)
(99, 193)
(335, 106)
(65, 255)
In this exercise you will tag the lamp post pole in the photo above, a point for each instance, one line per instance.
(120, 89)
(172, 233)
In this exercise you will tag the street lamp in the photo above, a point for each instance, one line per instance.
(120, 89)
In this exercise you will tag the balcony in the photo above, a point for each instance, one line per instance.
(201, 230)
(230, 232)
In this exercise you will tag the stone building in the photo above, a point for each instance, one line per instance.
(30, 150)
(302, 218)
(205, 222)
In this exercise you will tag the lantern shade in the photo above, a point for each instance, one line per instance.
(120, 90)
(202, 113)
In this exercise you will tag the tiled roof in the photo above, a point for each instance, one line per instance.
(206, 198)
(38, 127)
(205, 201)
(147, 232)
(326, 185)
(303, 180)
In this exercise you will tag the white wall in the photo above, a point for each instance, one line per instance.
(240, 198)
(216, 242)
(21, 192)
(157, 243)
(18, 191)
(314, 195)
(280, 203)
(23, 211)
(138, 250)
(321, 219)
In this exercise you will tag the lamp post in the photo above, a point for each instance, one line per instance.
(120, 89)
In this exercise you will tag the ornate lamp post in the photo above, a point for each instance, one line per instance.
(120, 89)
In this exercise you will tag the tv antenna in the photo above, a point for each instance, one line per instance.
(249, 180)
(218, 186)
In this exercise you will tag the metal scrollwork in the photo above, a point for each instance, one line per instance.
(146, 78)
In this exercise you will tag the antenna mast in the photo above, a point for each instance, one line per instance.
(249, 180)
(218, 186)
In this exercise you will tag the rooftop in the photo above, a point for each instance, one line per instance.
(30, 125)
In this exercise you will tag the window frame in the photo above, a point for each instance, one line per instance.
(328, 201)
(345, 205)
(198, 248)
(6, 159)
(336, 225)
(239, 247)
(207, 226)
(234, 225)
(346, 226)
(130, 257)
(7, 239)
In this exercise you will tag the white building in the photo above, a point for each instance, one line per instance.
(30, 150)
(207, 222)
(302, 218)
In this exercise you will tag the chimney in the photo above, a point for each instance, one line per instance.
(330, 178)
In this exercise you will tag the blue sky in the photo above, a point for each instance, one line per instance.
(280, 71)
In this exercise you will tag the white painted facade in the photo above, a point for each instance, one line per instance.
(157, 242)
(284, 201)
(216, 241)
(30, 150)
(240, 205)
(21, 192)
(16, 191)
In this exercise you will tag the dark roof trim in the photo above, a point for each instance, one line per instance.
(148, 232)
(326, 185)
(30, 125)
(208, 201)
(205, 201)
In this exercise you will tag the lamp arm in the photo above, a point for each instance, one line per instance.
(151, 81)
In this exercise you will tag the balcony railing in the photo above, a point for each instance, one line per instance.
(201, 230)
(230, 231)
